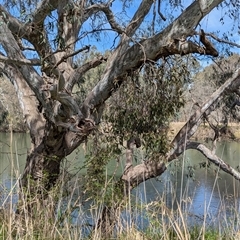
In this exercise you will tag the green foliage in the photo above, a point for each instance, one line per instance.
(146, 102)
(143, 107)
(98, 184)
(86, 83)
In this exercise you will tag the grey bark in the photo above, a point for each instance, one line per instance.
(57, 124)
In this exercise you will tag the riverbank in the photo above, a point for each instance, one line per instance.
(204, 132)
(188, 201)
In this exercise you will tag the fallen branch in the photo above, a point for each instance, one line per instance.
(214, 158)
(190, 127)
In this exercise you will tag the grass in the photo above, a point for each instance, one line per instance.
(163, 222)
(66, 218)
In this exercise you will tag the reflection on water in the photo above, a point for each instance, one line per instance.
(13, 152)
(203, 187)
(199, 187)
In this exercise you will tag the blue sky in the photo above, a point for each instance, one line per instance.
(211, 23)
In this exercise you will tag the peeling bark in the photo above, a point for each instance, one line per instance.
(179, 142)
(214, 159)
(133, 176)
(163, 44)
(57, 124)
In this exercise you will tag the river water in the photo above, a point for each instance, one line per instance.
(202, 189)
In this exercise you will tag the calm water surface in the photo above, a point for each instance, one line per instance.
(203, 189)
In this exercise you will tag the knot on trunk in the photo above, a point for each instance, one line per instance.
(81, 126)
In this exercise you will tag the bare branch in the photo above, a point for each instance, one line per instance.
(81, 70)
(70, 19)
(74, 42)
(138, 17)
(180, 140)
(16, 26)
(108, 13)
(33, 31)
(13, 50)
(30, 62)
(214, 159)
(208, 45)
(159, 11)
(43, 10)
(222, 40)
(65, 57)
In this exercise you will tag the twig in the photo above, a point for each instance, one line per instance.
(65, 57)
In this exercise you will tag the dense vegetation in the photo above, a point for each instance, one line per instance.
(122, 94)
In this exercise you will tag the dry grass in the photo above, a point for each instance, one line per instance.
(55, 222)
(204, 131)
(164, 223)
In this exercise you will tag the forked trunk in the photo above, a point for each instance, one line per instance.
(42, 168)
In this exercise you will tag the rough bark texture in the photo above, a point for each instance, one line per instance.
(57, 124)
(214, 158)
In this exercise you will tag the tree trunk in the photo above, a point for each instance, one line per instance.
(107, 222)
(55, 134)
(38, 192)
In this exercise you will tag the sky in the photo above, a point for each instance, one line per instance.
(211, 23)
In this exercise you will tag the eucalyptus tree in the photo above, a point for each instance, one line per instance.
(40, 41)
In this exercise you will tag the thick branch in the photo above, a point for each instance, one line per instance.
(28, 103)
(208, 44)
(43, 10)
(70, 19)
(108, 13)
(138, 17)
(142, 172)
(13, 50)
(34, 31)
(214, 159)
(16, 26)
(80, 71)
(30, 62)
(179, 142)
(153, 48)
